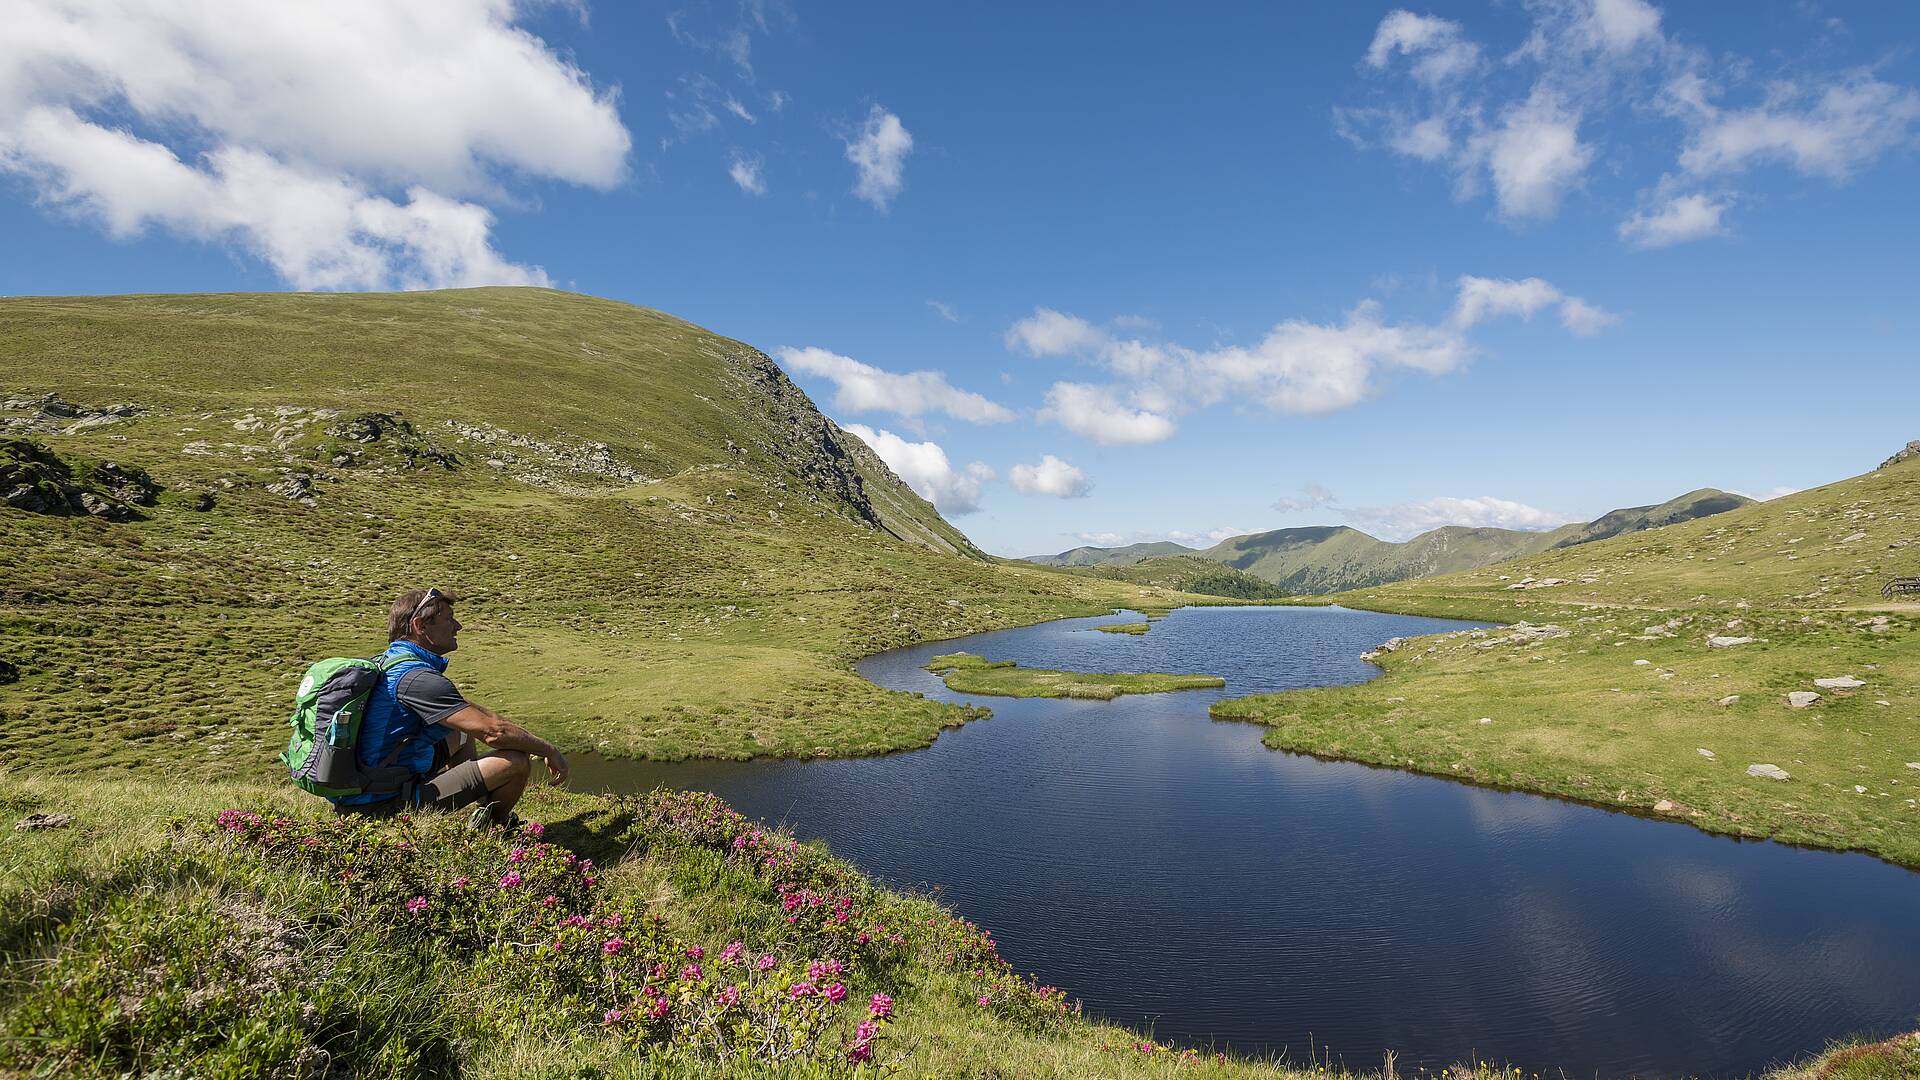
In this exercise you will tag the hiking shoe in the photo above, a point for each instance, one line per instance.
(482, 819)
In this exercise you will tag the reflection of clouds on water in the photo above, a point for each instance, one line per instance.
(1507, 814)
(1166, 867)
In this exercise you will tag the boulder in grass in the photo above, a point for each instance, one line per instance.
(1800, 699)
(1767, 772)
(1722, 641)
(1843, 682)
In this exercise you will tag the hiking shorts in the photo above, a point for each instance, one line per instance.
(448, 788)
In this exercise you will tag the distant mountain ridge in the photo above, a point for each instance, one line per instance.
(1099, 556)
(1331, 558)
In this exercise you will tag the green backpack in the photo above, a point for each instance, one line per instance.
(328, 708)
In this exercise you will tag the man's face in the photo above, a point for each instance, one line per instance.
(437, 628)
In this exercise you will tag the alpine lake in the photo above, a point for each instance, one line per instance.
(1174, 874)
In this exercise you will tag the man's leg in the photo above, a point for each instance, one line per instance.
(506, 773)
(497, 779)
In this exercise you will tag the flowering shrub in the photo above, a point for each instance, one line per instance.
(961, 946)
(832, 912)
(423, 878)
(624, 970)
(530, 916)
(197, 973)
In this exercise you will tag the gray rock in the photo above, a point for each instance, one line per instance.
(1664, 806)
(1767, 772)
(44, 821)
(1843, 682)
(1722, 641)
(1730, 699)
(1704, 752)
(97, 506)
(1800, 699)
(1911, 451)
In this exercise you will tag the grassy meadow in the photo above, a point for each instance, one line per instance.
(711, 607)
(1613, 691)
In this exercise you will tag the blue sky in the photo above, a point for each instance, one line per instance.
(1083, 274)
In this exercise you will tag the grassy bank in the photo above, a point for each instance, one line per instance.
(969, 674)
(156, 934)
(1615, 689)
(667, 552)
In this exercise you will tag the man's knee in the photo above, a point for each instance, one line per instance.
(505, 766)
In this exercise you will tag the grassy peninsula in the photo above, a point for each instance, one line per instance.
(970, 674)
(1653, 670)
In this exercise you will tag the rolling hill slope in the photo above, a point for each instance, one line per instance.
(665, 548)
(1333, 558)
(1654, 671)
(1114, 556)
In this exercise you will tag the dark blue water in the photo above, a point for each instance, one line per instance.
(1174, 874)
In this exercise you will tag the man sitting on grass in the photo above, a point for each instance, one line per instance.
(416, 704)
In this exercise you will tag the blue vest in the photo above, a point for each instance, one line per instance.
(388, 721)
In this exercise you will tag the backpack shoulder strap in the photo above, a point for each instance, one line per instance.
(388, 661)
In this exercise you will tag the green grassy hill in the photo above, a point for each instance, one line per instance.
(1644, 650)
(664, 547)
(1099, 556)
(1186, 573)
(1324, 559)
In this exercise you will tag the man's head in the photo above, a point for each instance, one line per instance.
(425, 617)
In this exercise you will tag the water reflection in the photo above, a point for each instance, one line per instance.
(1172, 872)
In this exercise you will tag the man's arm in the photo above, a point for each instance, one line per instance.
(503, 734)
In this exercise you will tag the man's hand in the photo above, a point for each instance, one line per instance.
(503, 734)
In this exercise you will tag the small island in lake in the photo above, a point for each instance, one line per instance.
(1133, 628)
(971, 674)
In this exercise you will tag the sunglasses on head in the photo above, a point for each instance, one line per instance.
(432, 595)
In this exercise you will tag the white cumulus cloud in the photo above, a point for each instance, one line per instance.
(1675, 221)
(1828, 131)
(1533, 157)
(1096, 412)
(879, 154)
(923, 466)
(1050, 476)
(1409, 519)
(1529, 130)
(1312, 497)
(1049, 333)
(1299, 368)
(864, 388)
(348, 144)
(747, 173)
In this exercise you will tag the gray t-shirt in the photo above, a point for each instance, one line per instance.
(430, 696)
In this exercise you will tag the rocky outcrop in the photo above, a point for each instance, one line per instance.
(37, 480)
(1911, 451)
(51, 414)
(393, 438)
(832, 464)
